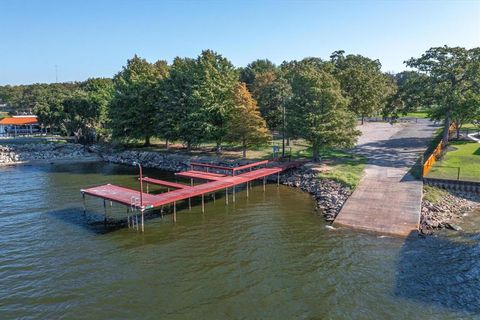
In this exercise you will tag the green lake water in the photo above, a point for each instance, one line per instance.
(270, 256)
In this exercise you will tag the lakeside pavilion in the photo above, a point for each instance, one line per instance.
(19, 125)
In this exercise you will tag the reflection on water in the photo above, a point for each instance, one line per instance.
(268, 256)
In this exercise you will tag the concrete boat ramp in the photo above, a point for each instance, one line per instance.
(388, 199)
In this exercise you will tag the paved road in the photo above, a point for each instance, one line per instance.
(388, 199)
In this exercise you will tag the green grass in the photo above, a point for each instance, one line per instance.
(417, 114)
(466, 156)
(433, 195)
(343, 167)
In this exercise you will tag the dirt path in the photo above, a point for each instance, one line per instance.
(388, 199)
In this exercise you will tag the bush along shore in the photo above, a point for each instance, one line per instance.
(443, 209)
(20, 153)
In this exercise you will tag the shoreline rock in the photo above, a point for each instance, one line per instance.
(12, 154)
(448, 212)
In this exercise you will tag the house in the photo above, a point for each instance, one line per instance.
(19, 125)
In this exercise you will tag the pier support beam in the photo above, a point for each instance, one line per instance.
(174, 211)
(143, 227)
(247, 188)
(278, 179)
(264, 182)
(203, 203)
(226, 196)
(233, 194)
(84, 204)
(105, 212)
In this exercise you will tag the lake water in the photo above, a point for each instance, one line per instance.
(266, 257)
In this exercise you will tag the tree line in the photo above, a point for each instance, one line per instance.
(208, 99)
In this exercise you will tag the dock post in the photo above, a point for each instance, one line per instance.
(105, 212)
(174, 211)
(147, 187)
(189, 199)
(143, 228)
(263, 184)
(278, 179)
(226, 196)
(128, 218)
(203, 203)
(84, 203)
(247, 189)
(233, 194)
(213, 195)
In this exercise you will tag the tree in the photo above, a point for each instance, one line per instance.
(133, 107)
(271, 91)
(318, 112)
(249, 74)
(362, 82)
(216, 79)
(246, 125)
(180, 116)
(100, 93)
(450, 82)
(80, 116)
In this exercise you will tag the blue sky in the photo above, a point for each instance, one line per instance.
(95, 38)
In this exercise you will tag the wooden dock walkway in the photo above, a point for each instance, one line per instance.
(216, 182)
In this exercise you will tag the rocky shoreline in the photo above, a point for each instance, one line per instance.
(329, 195)
(21, 153)
(447, 212)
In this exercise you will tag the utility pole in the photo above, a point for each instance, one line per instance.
(283, 131)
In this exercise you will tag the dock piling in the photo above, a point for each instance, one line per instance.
(174, 211)
(203, 203)
(84, 203)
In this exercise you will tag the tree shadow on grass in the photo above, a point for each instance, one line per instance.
(441, 271)
(477, 152)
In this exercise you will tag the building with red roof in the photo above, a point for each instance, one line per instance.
(19, 125)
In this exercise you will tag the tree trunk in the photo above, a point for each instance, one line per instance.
(244, 149)
(189, 146)
(218, 148)
(363, 118)
(446, 125)
(166, 144)
(288, 141)
(458, 126)
(316, 151)
(147, 141)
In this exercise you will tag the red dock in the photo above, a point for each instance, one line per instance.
(216, 182)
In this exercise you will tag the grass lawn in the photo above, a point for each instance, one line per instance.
(416, 114)
(462, 154)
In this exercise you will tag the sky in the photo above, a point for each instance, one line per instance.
(70, 40)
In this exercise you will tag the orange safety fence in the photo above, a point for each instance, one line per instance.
(437, 152)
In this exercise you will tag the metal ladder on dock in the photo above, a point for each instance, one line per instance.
(134, 205)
